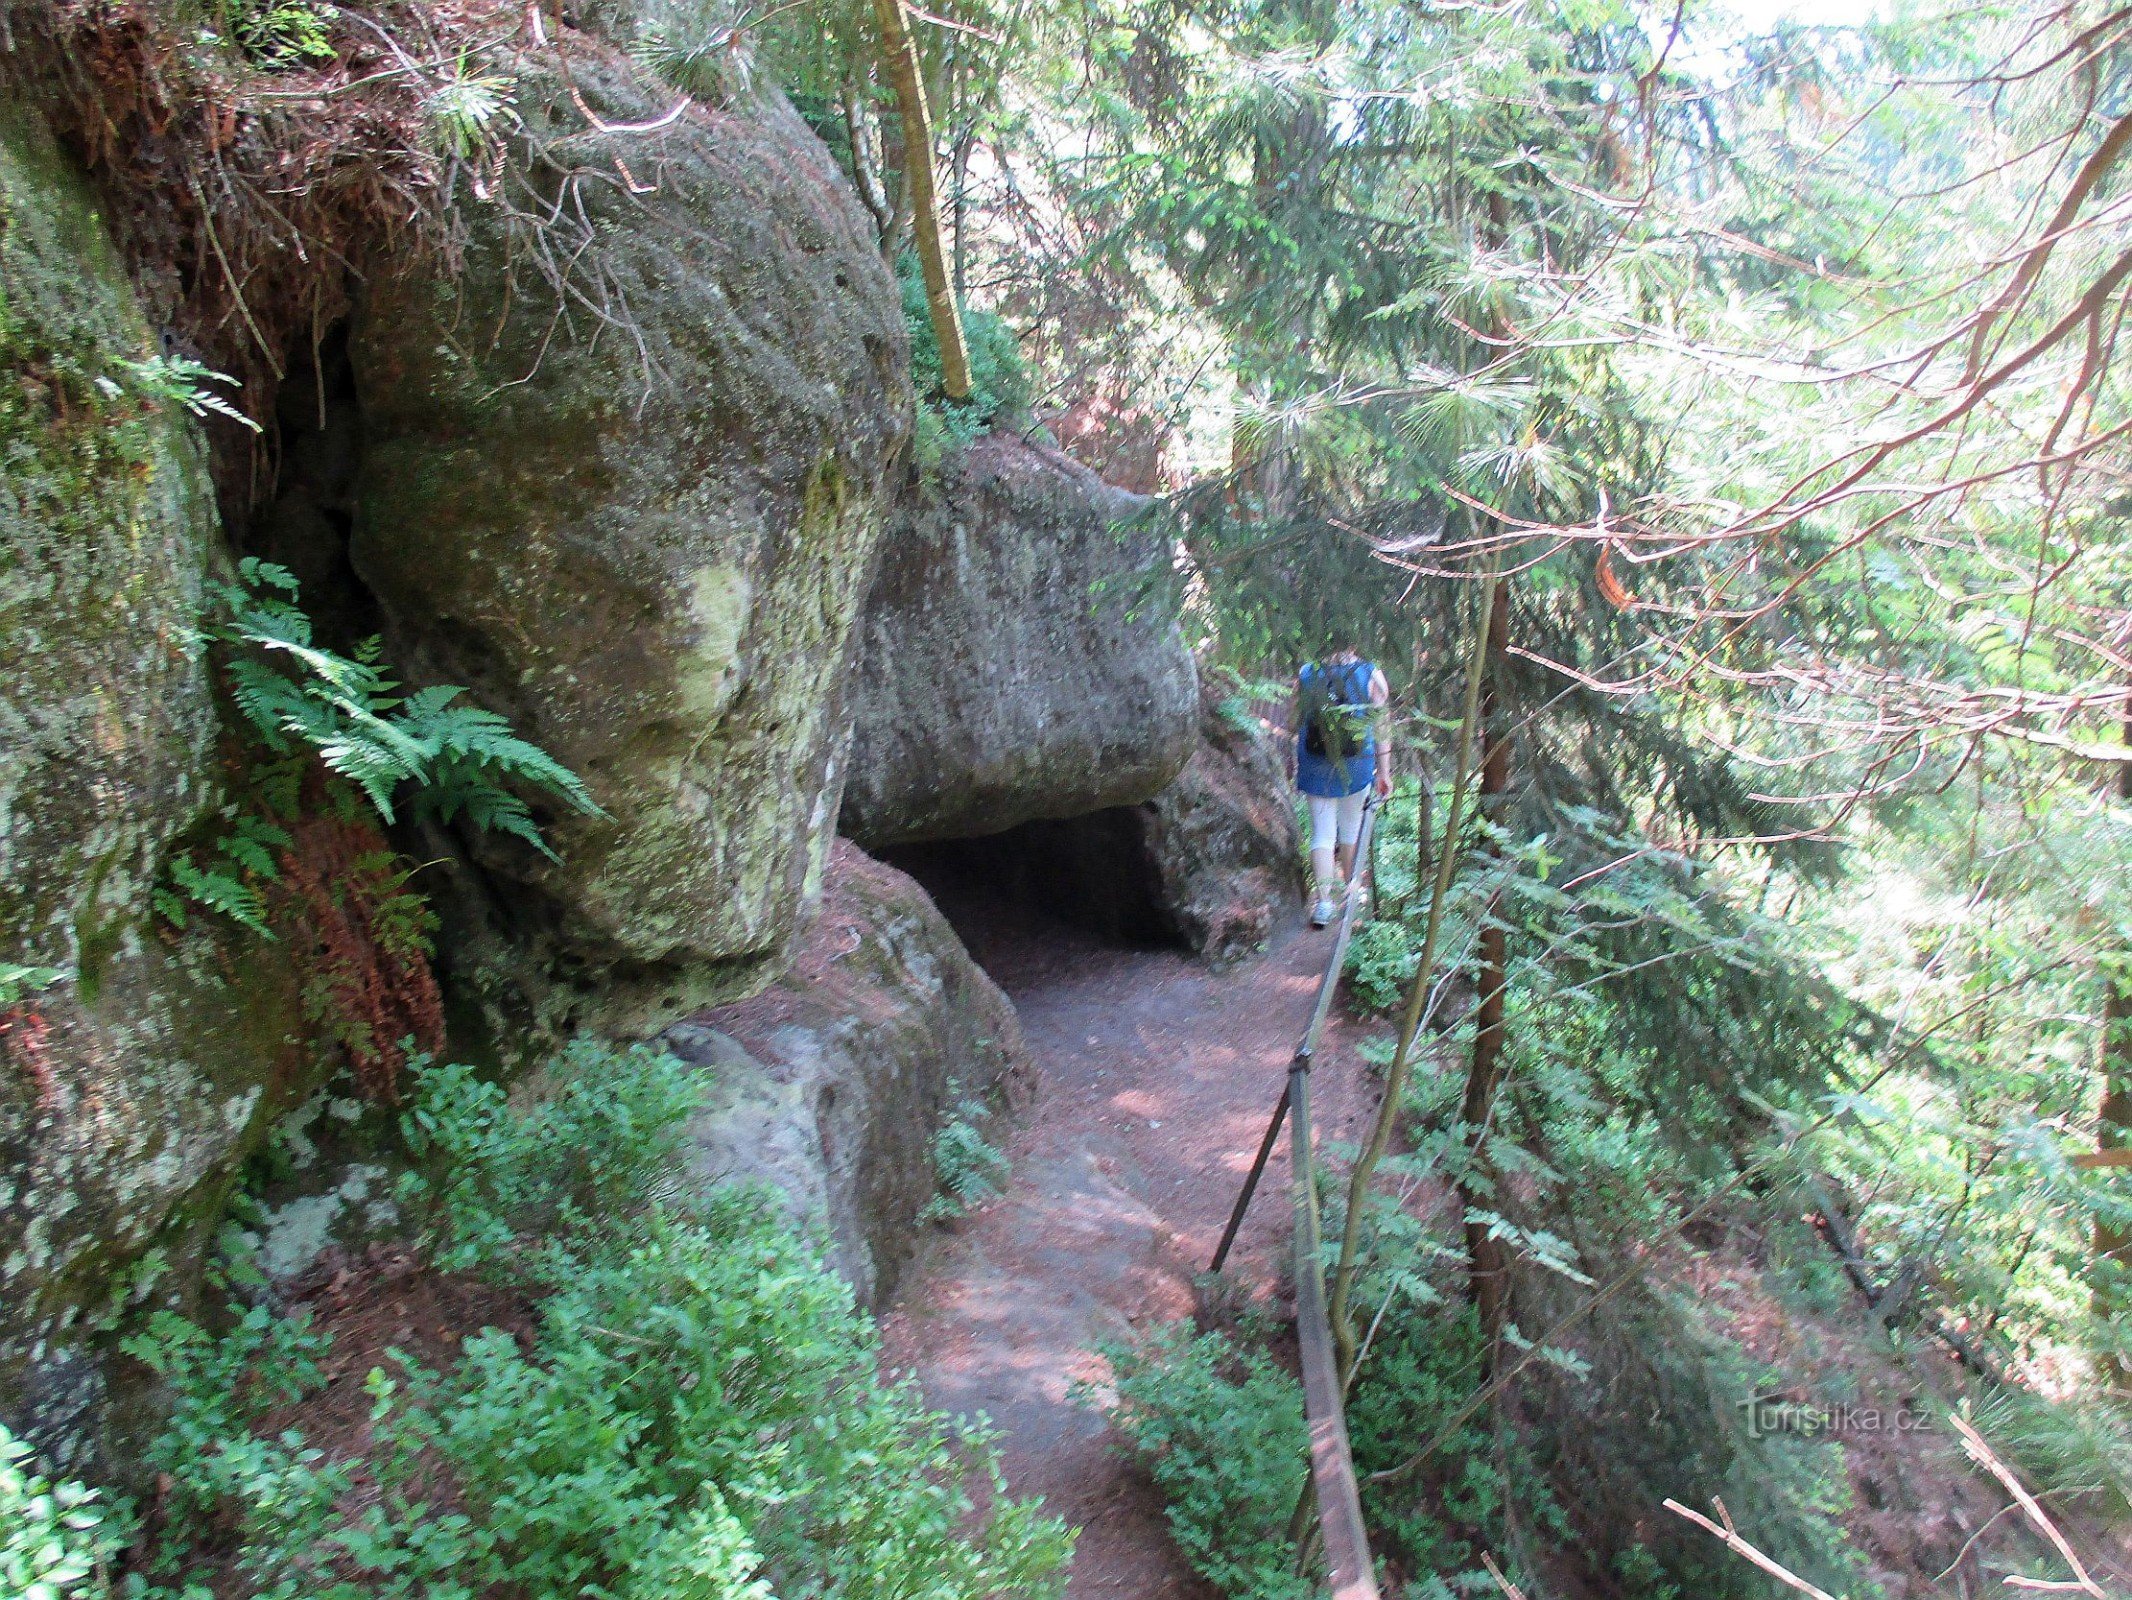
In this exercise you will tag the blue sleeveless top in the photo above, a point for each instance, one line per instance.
(1323, 776)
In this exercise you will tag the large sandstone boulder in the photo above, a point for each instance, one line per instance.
(130, 1086)
(1212, 862)
(832, 1084)
(1021, 659)
(1222, 838)
(624, 473)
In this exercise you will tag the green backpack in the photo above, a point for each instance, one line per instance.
(1338, 729)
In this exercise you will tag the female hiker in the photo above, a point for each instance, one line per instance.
(1338, 754)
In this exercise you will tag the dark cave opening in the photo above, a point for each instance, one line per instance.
(1094, 874)
(318, 454)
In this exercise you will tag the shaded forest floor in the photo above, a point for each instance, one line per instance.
(1155, 1078)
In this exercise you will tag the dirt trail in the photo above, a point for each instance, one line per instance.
(1155, 1078)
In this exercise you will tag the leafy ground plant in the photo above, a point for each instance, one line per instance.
(456, 758)
(1220, 1428)
(329, 752)
(968, 1167)
(697, 1412)
(55, 1539)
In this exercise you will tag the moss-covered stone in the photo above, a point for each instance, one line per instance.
(103, 503)
(128, 1088)
(644, 531)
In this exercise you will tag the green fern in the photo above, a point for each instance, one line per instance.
(301, 700)
(296, 695)
(227, 885)
(180, 380)
(968, 1167)
(401, 921)
(465, 108)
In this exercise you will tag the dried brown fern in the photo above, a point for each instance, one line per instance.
(363, 941)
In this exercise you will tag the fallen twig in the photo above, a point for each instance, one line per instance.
(1511, 1590)
(1733, 1542)
(1981, 1453)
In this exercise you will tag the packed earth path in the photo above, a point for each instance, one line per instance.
(1155, 1076)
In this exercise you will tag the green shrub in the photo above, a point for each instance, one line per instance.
(493, 1180)
(1220, 1429)
(1422, 1371)
(698, 1413)
(1380, 965)
(55, 1540)
(999, 378)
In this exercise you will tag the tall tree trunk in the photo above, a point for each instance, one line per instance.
(899, 58)
(2113, 1243)
(1487, 1263)
(1425, 797)
(965, 140)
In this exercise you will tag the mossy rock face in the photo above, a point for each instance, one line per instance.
(639, 515)
(1022, 660)
(129, 1087)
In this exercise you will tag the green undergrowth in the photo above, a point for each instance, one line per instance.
(1000, 384)
(969, 1169)
(694, 1410)
(1220, 1429)
(55, 1538)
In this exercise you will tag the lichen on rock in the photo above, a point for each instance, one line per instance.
(633, 501)
(129, 1087)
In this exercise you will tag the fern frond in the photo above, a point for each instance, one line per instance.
(256, 573)
(373, 767)
(474, 736)
(18, 980)
(486, 806)
(270, 702)
(296, 694)
(251, 843)
(219, 891)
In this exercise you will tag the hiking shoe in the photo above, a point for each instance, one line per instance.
(1323, 912)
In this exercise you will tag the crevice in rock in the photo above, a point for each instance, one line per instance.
(306, 522)
(1096, 872)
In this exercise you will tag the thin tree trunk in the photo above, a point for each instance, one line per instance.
(899, 57)
(2113, 1244)
(964, 141)
(1425, 797)
(1487, 1264)
(866, 174)
(1358, 1180)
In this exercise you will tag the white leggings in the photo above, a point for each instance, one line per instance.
(1325, 813)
